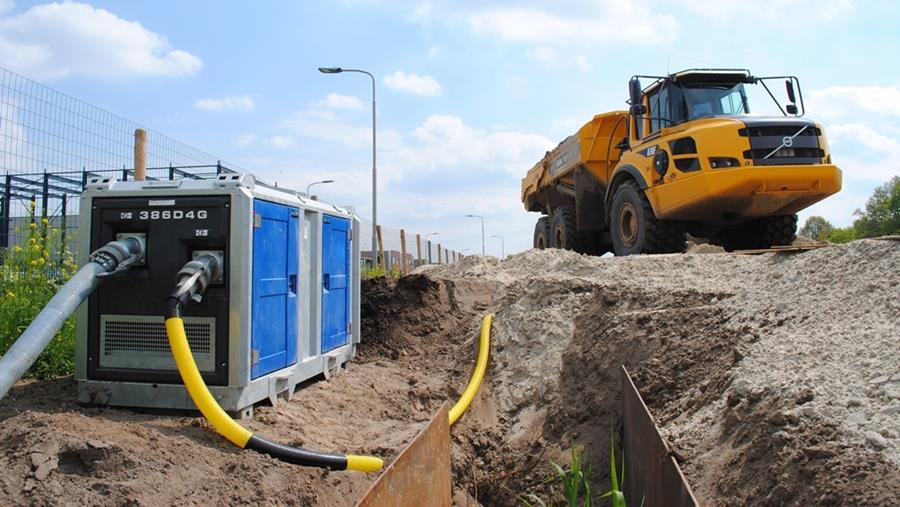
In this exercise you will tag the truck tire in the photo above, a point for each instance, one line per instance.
(765, 232)
(542, 233)
(563, 229)
(780, 230)
(635, 229)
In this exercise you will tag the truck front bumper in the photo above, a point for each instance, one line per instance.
(730, 195)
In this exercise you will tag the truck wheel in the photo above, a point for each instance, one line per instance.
(763, 232)
(635, 229)
(542, 233)
(563, 232)
(778, 230)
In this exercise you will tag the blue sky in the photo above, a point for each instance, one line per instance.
(470, 94)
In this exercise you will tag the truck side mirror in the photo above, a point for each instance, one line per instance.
(789, 86)
(634, 97)
(791, 108)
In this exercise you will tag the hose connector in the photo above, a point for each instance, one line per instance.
(117, 256)
(192, 280)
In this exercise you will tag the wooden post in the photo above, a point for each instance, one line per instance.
(405, 263)
(418, 250)
(140, 154)
(380, 248)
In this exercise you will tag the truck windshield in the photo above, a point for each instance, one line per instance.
(672, 104)
(714, 100)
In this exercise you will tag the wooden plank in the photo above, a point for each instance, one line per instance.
(405, 262)
(653, 477)
(380, 253)
(419, 250)
(781, 249)
(421, 474)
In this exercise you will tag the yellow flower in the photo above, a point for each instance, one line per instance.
(45, 221)
(32, 225)
(40, 261)
(17, 248)
(9, 294)
(34, 263)
(45, 254)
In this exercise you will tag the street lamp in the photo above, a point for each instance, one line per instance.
(338, 70)
(482, 229)
(316, 183)
(502, 246)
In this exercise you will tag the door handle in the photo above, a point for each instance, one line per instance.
(326, 281)
(292, 283)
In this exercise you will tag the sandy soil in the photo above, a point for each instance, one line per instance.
(775, 377)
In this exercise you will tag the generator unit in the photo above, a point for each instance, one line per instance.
(284, 309)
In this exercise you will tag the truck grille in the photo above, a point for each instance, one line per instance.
(804, 148)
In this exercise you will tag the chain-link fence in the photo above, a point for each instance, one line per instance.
(51, 144)
(397, 244)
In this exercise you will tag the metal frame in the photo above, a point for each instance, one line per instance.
(241, 393)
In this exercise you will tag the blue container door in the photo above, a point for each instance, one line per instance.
(335, 282)
(274, 321)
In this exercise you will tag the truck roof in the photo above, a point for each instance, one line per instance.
(703, 76)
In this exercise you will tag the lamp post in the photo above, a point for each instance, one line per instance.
(338, 70)
(502, 246)
(482, 229)
(316, 183)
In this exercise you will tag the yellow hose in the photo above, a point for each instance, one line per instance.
(237, 434)
(204, 400)
(484, 350)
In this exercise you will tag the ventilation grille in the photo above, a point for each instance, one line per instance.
(151, 337)
(140, 341)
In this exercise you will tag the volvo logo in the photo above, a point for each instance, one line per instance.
(788, 141)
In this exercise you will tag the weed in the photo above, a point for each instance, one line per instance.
(614, 493)
(377, 272)
(29, 277)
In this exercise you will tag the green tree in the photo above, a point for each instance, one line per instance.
(816, 228)
(882, 214)
(842, 235)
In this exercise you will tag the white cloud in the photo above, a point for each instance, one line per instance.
(790, 11)
(609, 21)
(851, 135)
(57, 40)
(229, 103)
(426, 86)
(582, 62)
(282, 141)
(325, 125)
(245, 140)
(338, 101)
(445, 141)
(837, 101)
(7, 5)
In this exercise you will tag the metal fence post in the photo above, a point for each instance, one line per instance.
(4, 212)
(45, 194)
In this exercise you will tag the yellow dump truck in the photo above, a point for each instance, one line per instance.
(687, 157)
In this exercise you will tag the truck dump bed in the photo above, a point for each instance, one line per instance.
(593, 147)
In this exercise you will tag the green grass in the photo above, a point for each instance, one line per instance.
(377, 272)
(30, 275)
(570, 485)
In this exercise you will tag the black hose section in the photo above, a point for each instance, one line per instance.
(296, 455)
(173, 306)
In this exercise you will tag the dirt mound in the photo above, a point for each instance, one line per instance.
(775, 378)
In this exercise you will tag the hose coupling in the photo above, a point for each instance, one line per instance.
(117, 256)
